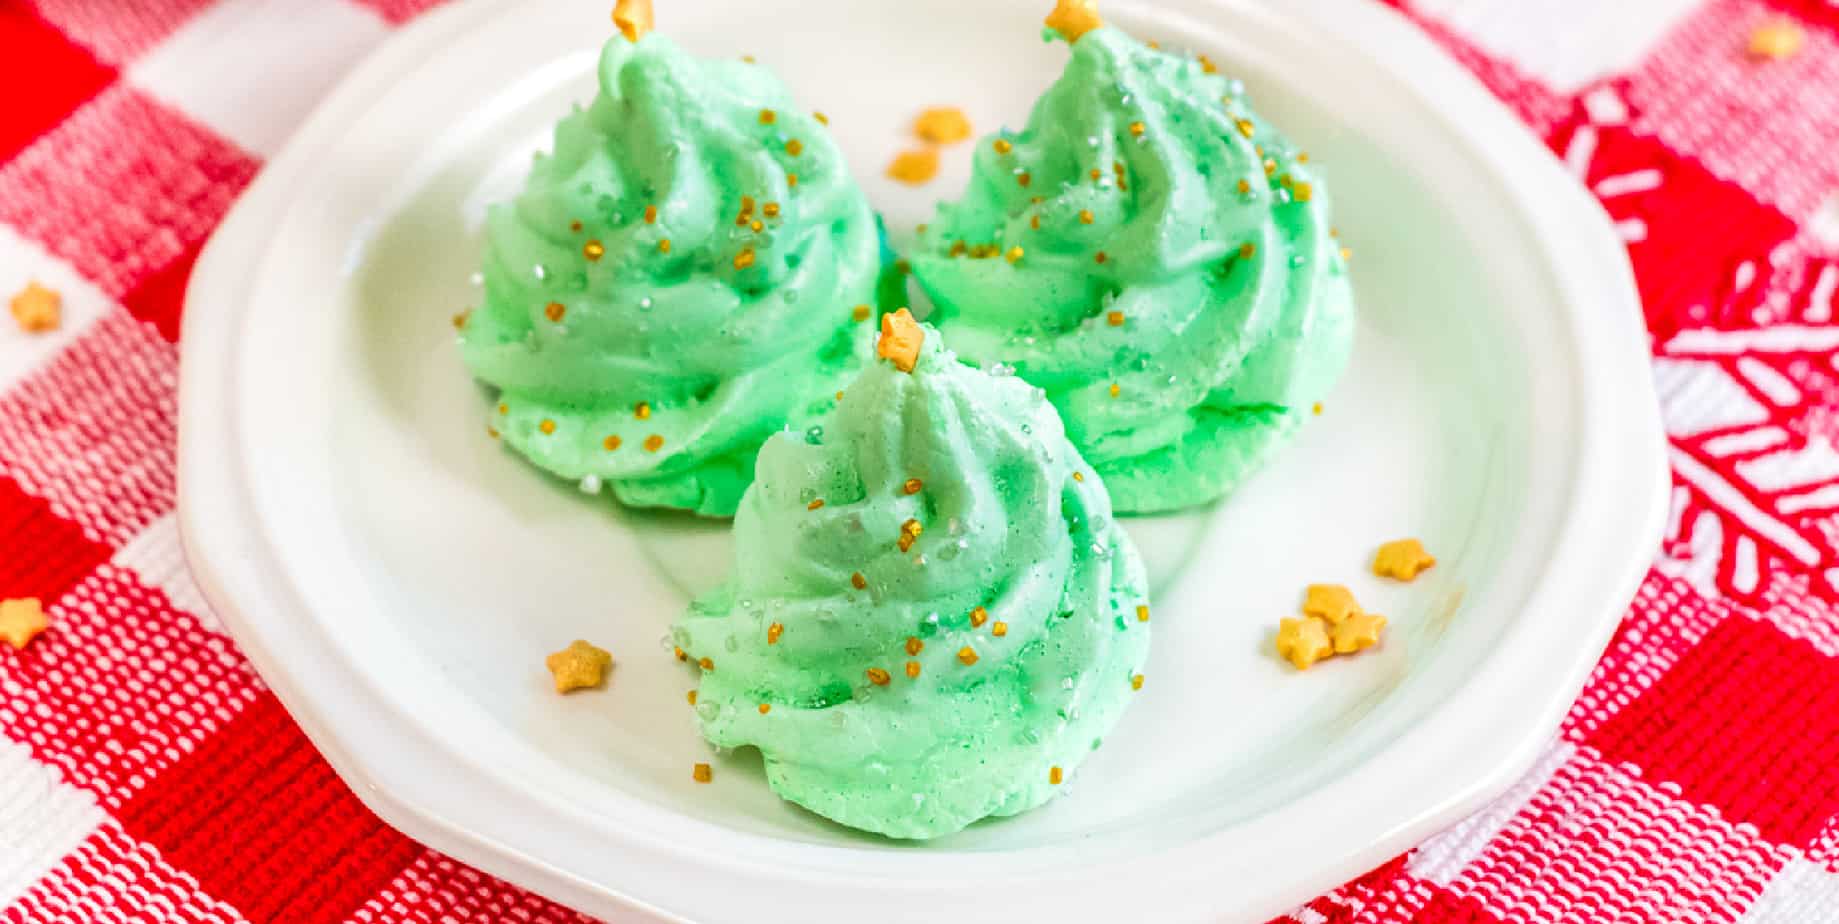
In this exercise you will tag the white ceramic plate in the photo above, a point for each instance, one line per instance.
(397, 577)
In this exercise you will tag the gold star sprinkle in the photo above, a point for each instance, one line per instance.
(1303, 641)
(968, 655)
(633, 17)
(579, 666)
(37, 309)
(21, 621)
(701, 773)
(1332, 602)
(901, 337)
(942, 125)
(1402, 559)
(1777, 40)
(914, 167)
(1358, 632)
(1074, 18)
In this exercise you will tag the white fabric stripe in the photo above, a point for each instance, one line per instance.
(1801, 893)
(42, 818)
(23, 261)
(1730, 499)
(156, 557)
(1442, 858)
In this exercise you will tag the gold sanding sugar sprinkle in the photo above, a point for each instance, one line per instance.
(1245, 187)
(593, 250)
(1136, 682)
(1099, 256)
(680, 653)
(1303, 192)
(691, 697)
(459, 320)
(821, 118)
(999, 629)
(1136, 129)
(610, 443)
(1115, 389)
(857, 581)
(491, 432)
(794, 147)
(1024, 178)
(653, 443)
(791, 179)
(1085, 216)
(642, 410)
(1034, 222)
(860, 312)
(1317, 408)
(1270, 166)
(701, 773)
(651, 214)
(766, 708)
(1096, 174)
(839, 396)
(575, 226)
(909, 532)
(1247, 249)
(503, 408)
(914, 167)
(1014, 255)
(1245, 127)
(768, 117)
(1142, 613)
(1206, 64)
(912, 486)
(1055, 775)
(773, 632)
(1002, 146)
(968, 655)
(770, 209)
(1302, 157)
(1346, 253)
(706, 664)
(913, 668)
(547, 426)
(664, 245)
(914, 645)
(816, 504)
(554, 311)
(1114, 318)
(878, 677)
(1079, 476)
(744, 259)
(978, 616)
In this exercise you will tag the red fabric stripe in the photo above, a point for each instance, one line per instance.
(258, 816)
(45, 554)
(159, 299)
(111, 877)
(46, 76)
(1747, 721)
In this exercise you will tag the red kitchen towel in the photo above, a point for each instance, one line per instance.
(147, 774)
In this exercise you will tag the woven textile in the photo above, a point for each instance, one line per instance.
(147, 774)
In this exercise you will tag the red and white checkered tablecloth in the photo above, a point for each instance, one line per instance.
(147, 774)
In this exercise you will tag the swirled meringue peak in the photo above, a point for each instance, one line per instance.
(933, 618)
(680, 278)
(1159, 259)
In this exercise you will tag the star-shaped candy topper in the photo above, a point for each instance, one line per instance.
(21, 621)
(37, 309)
(579, 666)
(1304, 641)
(633, 17)
(1074, 18)
(1358, 632)
(1402, 559)
(1332, 602)
(900, 341)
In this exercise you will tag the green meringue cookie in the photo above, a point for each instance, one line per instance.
(659, 368)
(1011, 521)
(1220, 309)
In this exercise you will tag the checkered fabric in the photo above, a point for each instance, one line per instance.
(147, 774)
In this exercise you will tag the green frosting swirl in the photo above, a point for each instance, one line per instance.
(740, 328)
(1007, 526)
(1235, 309)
